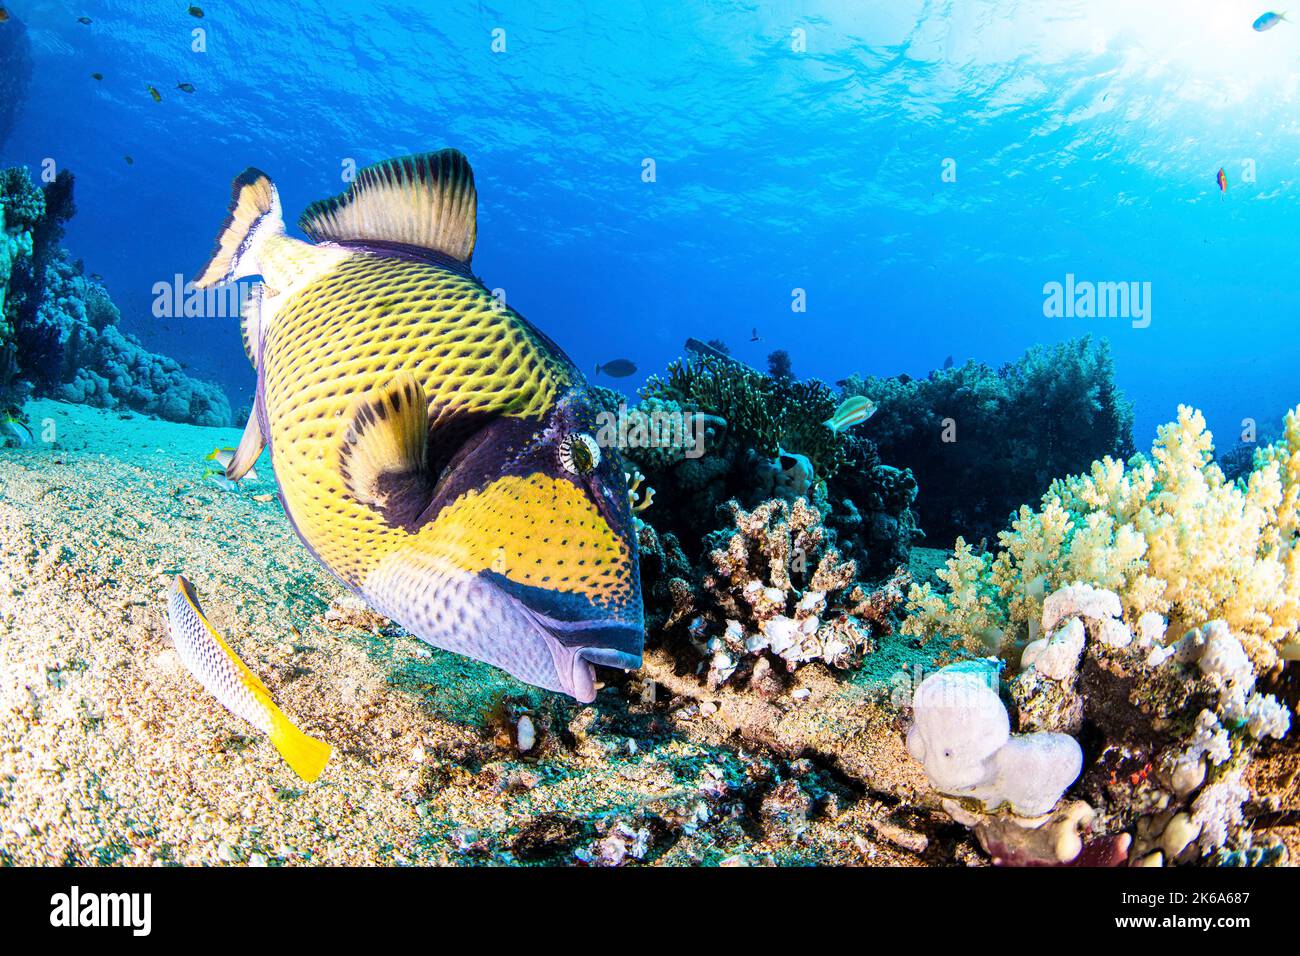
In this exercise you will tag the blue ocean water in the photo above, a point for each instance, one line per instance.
(921, 170)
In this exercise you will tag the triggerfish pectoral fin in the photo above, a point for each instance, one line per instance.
(219, 669)
(384, 459)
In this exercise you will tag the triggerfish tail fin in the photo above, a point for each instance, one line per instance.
(427, 201)
(218, 668)
(255, 215)
(306, 756)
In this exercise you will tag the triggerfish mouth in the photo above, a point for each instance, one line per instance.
(433, 449)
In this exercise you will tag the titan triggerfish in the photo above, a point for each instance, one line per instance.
(433, 449)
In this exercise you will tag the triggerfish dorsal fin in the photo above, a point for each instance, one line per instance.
(428, 201)
(255, 214)
(384, 460)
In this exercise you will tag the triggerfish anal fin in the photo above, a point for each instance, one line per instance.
(250, 447)
(384, 460)
(427, 201)
(219, 669)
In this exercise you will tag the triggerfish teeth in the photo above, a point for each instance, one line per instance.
(219, 669)
(433, 449)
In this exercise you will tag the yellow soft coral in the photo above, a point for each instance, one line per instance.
(1168, 533)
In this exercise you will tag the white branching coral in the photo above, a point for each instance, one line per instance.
(777, 588)
(1168, 533)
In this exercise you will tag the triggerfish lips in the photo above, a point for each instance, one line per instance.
(579, 633)
(575, 648)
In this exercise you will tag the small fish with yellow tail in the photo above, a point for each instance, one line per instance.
(218, 668)
(852, 411)
(222, 457)
(432, 448)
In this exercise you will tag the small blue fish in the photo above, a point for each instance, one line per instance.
(853, 411)
(1268, 21)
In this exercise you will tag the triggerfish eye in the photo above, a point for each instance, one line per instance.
(579, 454)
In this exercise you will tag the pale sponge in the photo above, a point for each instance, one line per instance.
(962, 735)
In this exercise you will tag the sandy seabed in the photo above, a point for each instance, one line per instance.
(112, 753)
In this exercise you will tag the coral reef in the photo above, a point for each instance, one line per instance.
(980, 442)
(777, 591)
(1140, 606)
(1174, 724)
(59, 332)
(1167, 533)
(762, 437)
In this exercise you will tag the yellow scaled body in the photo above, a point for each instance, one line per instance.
(421, 430)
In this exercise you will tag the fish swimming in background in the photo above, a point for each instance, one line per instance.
(218, 668)
(224, 456)
(433, 449)
(852, 411)
(20, 433)
(1267, 21)
(196, 12)
(1222, 179)
(617, 368)
(129, 160)
(705, 350)
(4, 15)
(157, 97)
(753, 335)
(185, 87)
(84, 21)
(947, 363)
(97, 76)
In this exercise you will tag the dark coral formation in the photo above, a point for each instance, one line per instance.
(59, 334)
(764, 437)
(766, 525)
(981, 442)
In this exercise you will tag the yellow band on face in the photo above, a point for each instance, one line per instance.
(538, 531)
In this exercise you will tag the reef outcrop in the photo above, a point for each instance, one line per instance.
(1147, 607)
(59, 334)
(981, 441)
